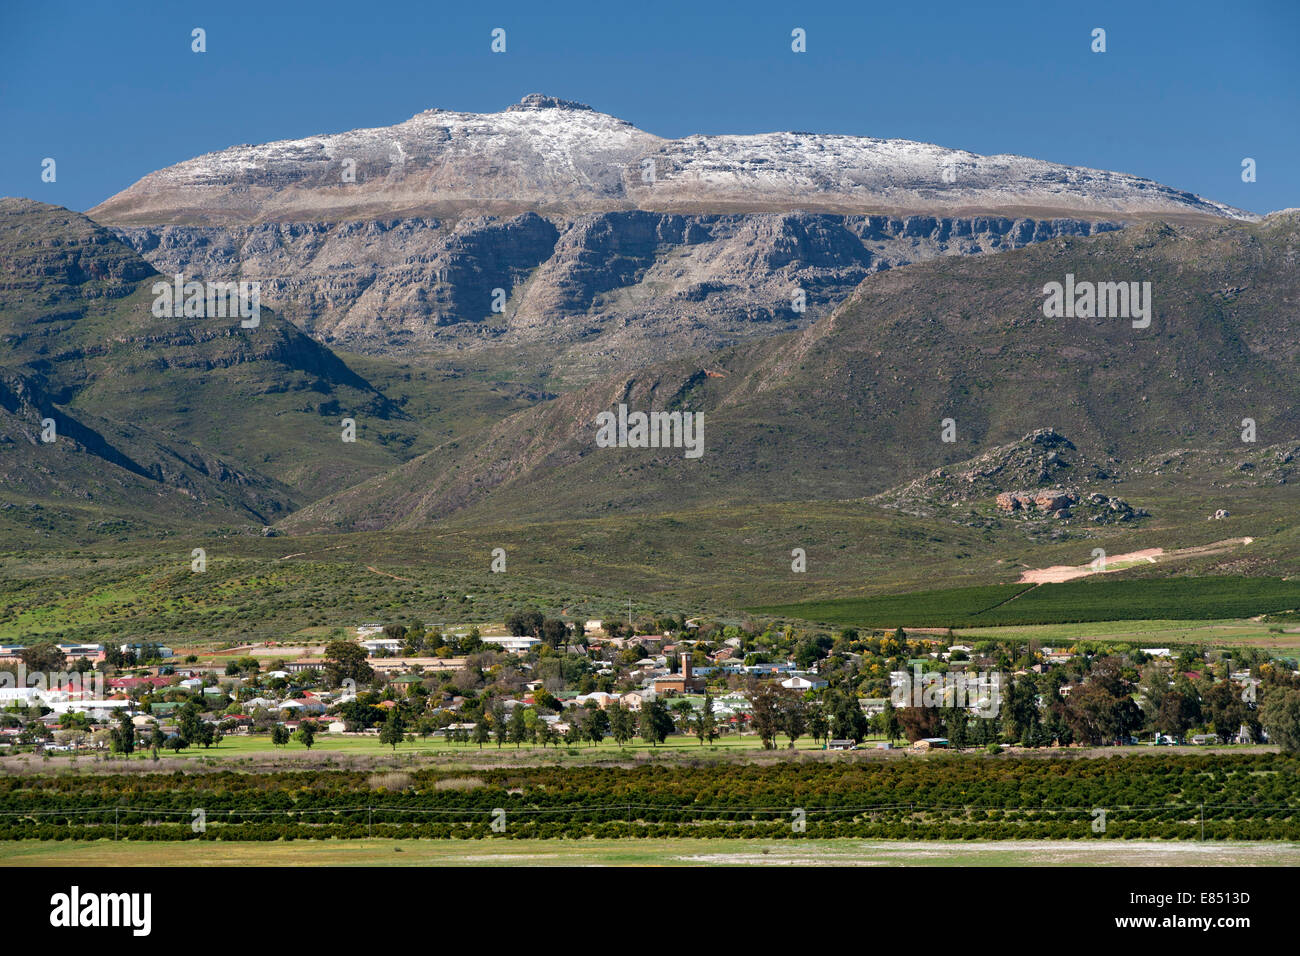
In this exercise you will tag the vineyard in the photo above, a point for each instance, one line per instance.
(1096, 599)
(1210, 797)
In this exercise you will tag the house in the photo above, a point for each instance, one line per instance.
(930, 743)
(512, 645)
(603, 701)
(803, 683)
(382, 645)
(304, 705)
(841, 745)
(132, 683)
(591, 627)
(636, 699)
(304, 664)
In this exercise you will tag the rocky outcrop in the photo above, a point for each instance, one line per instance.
(1053, 501)
(625, 285)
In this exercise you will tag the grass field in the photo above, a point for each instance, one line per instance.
(592, 852)
(1090, 599)
(234, 747)
(1227, 632)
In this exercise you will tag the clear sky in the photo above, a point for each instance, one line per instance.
(1183, 93)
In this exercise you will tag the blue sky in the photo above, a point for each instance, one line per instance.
(1184, 92)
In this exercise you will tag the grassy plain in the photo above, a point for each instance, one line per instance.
(676, 852)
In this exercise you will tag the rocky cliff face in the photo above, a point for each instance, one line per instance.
(613, 289)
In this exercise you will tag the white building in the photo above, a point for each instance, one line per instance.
(513, 645)
(386, 645)
(99, 709)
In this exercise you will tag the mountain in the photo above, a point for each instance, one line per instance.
(612, 247)
(854, 404)
(157, 421)
(550, 154)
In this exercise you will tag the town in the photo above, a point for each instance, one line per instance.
(538, 681)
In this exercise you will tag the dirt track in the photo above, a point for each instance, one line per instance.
(1118, 562)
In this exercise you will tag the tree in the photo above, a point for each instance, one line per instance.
(847, 721)
(765, 711)
(1279, 712)
(555, 632)
(1019, 711)
(622, 726)
(518, 727)
(279, 735)
(1223, 706)
(346, 661)
(819, 726)
(1095, 715)
(917, 723)
(307, 733)
(189, 723)
(655, 723)
(706, 724)
(482, 733)
(595, 724)
(1177, 713)
(500, 723)
(393, 730)
(527, 622)
(793, 715)
(43, 658)
(890, 726)
(122, 739)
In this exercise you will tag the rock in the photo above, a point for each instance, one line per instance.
(1054, 500)
(1008, 501)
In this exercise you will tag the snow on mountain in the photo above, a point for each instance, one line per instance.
(552, 155)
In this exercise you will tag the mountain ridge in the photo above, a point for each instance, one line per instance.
(546, 154)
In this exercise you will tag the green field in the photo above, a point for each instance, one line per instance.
(369, 745)
(1097, 598)
(594, 852)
